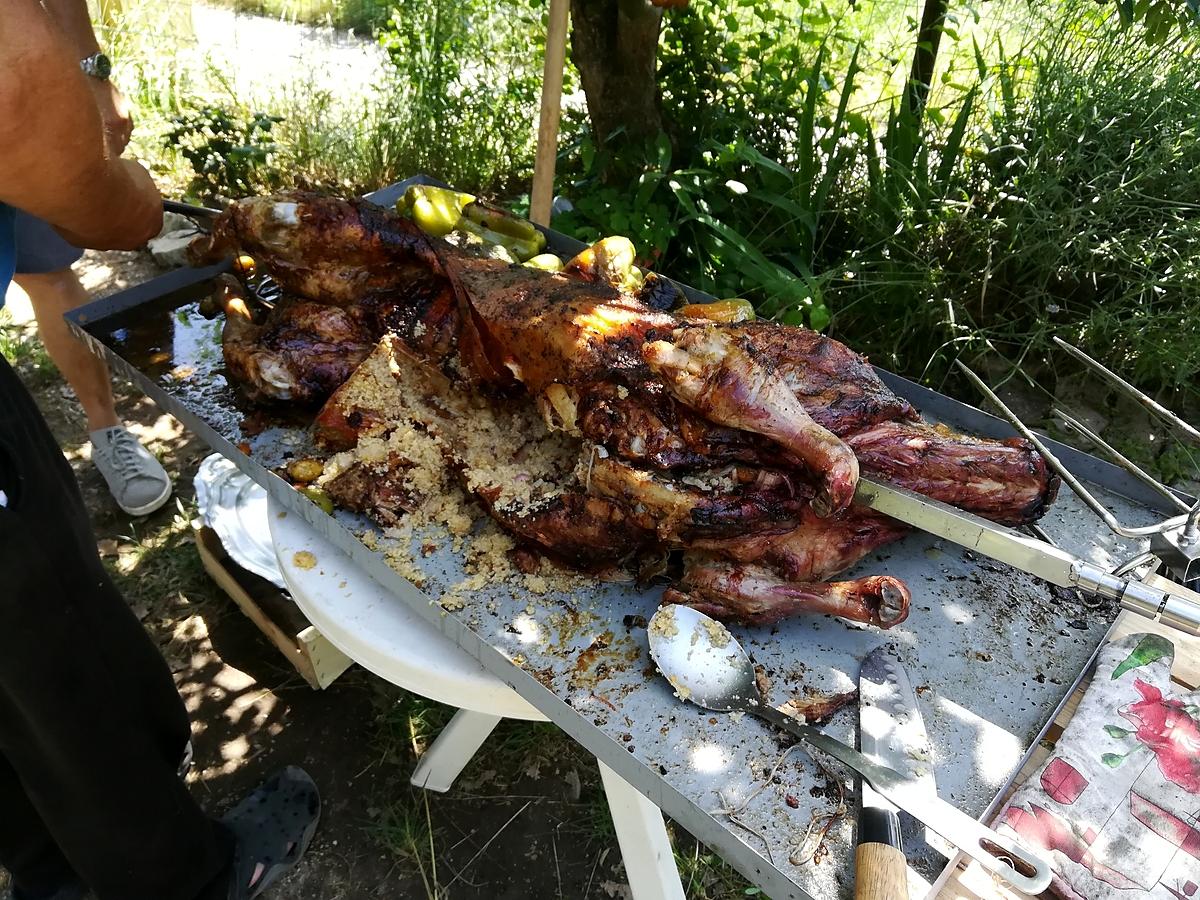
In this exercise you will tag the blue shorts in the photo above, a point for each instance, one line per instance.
(40, 249)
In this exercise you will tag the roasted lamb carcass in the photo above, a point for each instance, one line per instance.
(575, 503)
(712, 439)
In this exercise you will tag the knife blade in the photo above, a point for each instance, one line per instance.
(891, 733)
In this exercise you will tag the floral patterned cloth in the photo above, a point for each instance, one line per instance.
(1117, 805)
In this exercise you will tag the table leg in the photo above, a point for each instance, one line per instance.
(642, 835)
(449, 754)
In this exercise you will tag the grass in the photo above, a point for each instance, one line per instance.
(156, 561)
(407, 823)
(20, 346)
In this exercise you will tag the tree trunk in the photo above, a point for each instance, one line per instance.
(614, 44)
(933, 17)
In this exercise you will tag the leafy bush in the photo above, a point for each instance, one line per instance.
(229, 156)
(1077, 219)
(467, 87)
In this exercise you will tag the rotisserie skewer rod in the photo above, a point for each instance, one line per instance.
(1170, 603)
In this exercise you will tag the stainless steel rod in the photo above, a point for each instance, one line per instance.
(1149, 402)
(1152, 597)
(1072, 482)
(1123, 461)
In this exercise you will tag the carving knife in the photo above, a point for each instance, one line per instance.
(892, 734)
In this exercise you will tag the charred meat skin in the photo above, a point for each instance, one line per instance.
(719, 374)
(733, 502)
(541, 328)
(580, 530)
(1005, 481)
(817, 548)
(322, 248)
(301, 352)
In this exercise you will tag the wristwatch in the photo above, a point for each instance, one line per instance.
(97, 65)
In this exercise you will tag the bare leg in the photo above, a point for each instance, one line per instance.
(51, 295)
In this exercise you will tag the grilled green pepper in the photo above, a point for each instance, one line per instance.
(437, 211)
(547, 262)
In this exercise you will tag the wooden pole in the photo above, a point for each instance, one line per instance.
(547, 141)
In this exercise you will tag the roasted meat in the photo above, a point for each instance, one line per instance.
(757, 595)
(301, 351)
(321, 248)
(595, 428)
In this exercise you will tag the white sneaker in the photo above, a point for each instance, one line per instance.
(137, 482)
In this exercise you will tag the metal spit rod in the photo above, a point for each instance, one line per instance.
(1128, 464)
(1129, 390)
(1190, 536)
(1072, 482)
(1162, 600)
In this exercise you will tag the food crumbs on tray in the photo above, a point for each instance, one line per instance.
(682, 691)
(302, 559)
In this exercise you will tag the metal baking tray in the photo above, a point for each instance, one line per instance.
(993, 652)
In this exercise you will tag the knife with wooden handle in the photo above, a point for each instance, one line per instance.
(891, 733)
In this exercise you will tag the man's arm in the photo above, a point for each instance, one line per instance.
(54, 162)
(73, 18)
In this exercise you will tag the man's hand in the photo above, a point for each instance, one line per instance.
(57, 164)
(115, 115)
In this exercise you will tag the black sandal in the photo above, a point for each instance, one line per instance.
(273, 827)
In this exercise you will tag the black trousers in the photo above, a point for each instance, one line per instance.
(92, 730)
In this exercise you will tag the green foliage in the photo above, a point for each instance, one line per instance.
(458, 101)
(1073, 215)
(229, 155)
(468, 82)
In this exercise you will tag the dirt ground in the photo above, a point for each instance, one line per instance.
(527, 819)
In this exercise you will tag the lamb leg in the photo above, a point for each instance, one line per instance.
(817, 549)
(754, 595)
(709, 369)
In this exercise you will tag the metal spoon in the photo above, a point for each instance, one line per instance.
(707, 666)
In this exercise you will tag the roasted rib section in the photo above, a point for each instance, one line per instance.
(593, 427)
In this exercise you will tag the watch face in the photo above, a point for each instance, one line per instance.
(97, 65)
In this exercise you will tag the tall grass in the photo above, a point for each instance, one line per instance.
(363, 16)
(1076, 214)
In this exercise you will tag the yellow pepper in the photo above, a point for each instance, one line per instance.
(521, 249)
(734, 309)
(437, 211)
(319, 497)
(547, 262)
(503, 222)
(610, 260)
